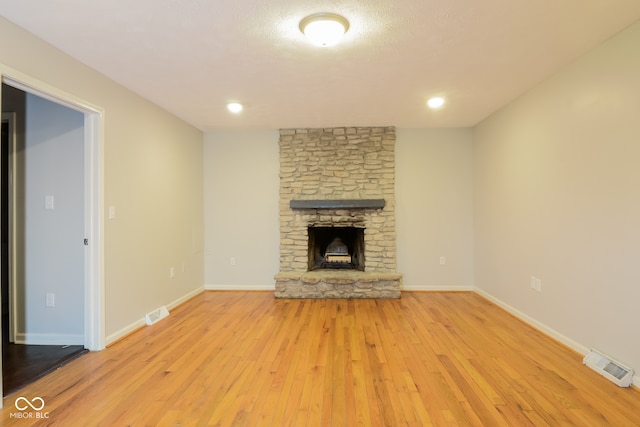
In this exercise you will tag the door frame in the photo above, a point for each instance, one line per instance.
(94, 317)
(10, 118)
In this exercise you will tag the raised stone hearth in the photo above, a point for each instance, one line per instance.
(342, 178)
(338, 284)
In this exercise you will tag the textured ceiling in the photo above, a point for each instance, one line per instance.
(193, 56)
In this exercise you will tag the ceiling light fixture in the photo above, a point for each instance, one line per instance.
(435, 102)
(324, 29)
(234, 107)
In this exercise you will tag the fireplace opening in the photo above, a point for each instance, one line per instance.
(336, 248)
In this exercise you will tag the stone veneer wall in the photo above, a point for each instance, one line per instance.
(337, 163)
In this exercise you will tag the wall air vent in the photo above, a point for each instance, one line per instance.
(156, 315)
(609, 368)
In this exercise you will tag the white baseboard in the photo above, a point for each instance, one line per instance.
(525, 318)
(142, 322)
(437, 288)
(125, 331)
(49, 339)
(272, 287)
(185, 298)
(221, 287)
(582, 349)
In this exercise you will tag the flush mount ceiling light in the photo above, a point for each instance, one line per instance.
(234, 107)
(324, 29)
(435, 102)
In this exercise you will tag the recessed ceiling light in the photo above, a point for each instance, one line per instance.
(435, 102)
(234, 107)
(324, 29)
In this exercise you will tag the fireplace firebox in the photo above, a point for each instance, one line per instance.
(336, 248)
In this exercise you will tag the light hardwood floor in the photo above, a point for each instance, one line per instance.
(247, 359)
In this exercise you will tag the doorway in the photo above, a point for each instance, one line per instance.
(51, 258)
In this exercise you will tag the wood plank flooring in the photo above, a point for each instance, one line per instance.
(22, 364)
(247, 359)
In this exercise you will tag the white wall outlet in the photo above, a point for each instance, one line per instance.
(50, 299)
(172, 273)
(232, 260)
(443, 260)
(536, 283)
(112, 212)
(49, 202)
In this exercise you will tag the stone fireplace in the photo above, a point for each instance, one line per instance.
(337, 214)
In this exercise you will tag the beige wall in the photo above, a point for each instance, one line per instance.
(557, 196)
(241, 209)
(433, 208)
(152, 175)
